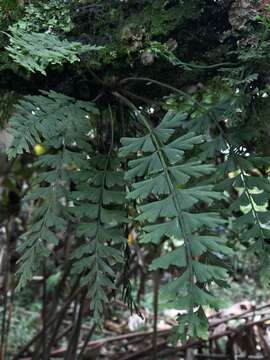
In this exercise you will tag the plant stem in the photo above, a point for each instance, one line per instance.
(75, 335)
(44, 313)
(156, 282)
(86, 341)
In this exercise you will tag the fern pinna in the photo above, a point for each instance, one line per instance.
(159, 171)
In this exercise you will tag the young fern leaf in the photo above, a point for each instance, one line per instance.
(99, 201)
(159, 172)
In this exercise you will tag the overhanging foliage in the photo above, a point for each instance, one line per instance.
(153, 129)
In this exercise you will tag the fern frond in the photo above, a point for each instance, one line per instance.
(64, 126)
(49, 219)
(36, 51)
(52, 117)
(100, 218)
(253, 196)
(170, 216)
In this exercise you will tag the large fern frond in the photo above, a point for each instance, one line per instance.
(166, 204)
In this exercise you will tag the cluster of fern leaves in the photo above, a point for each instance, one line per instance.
(78, 189)
(183, 181)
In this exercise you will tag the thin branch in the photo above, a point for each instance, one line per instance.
(156, 282)
(87, 339)
(74, 338)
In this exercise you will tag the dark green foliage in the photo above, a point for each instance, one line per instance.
(97, 203)
(165, 141)
(51, 15)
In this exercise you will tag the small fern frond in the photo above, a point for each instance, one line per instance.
(253, 191)
(99, 207)
(50, 218)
